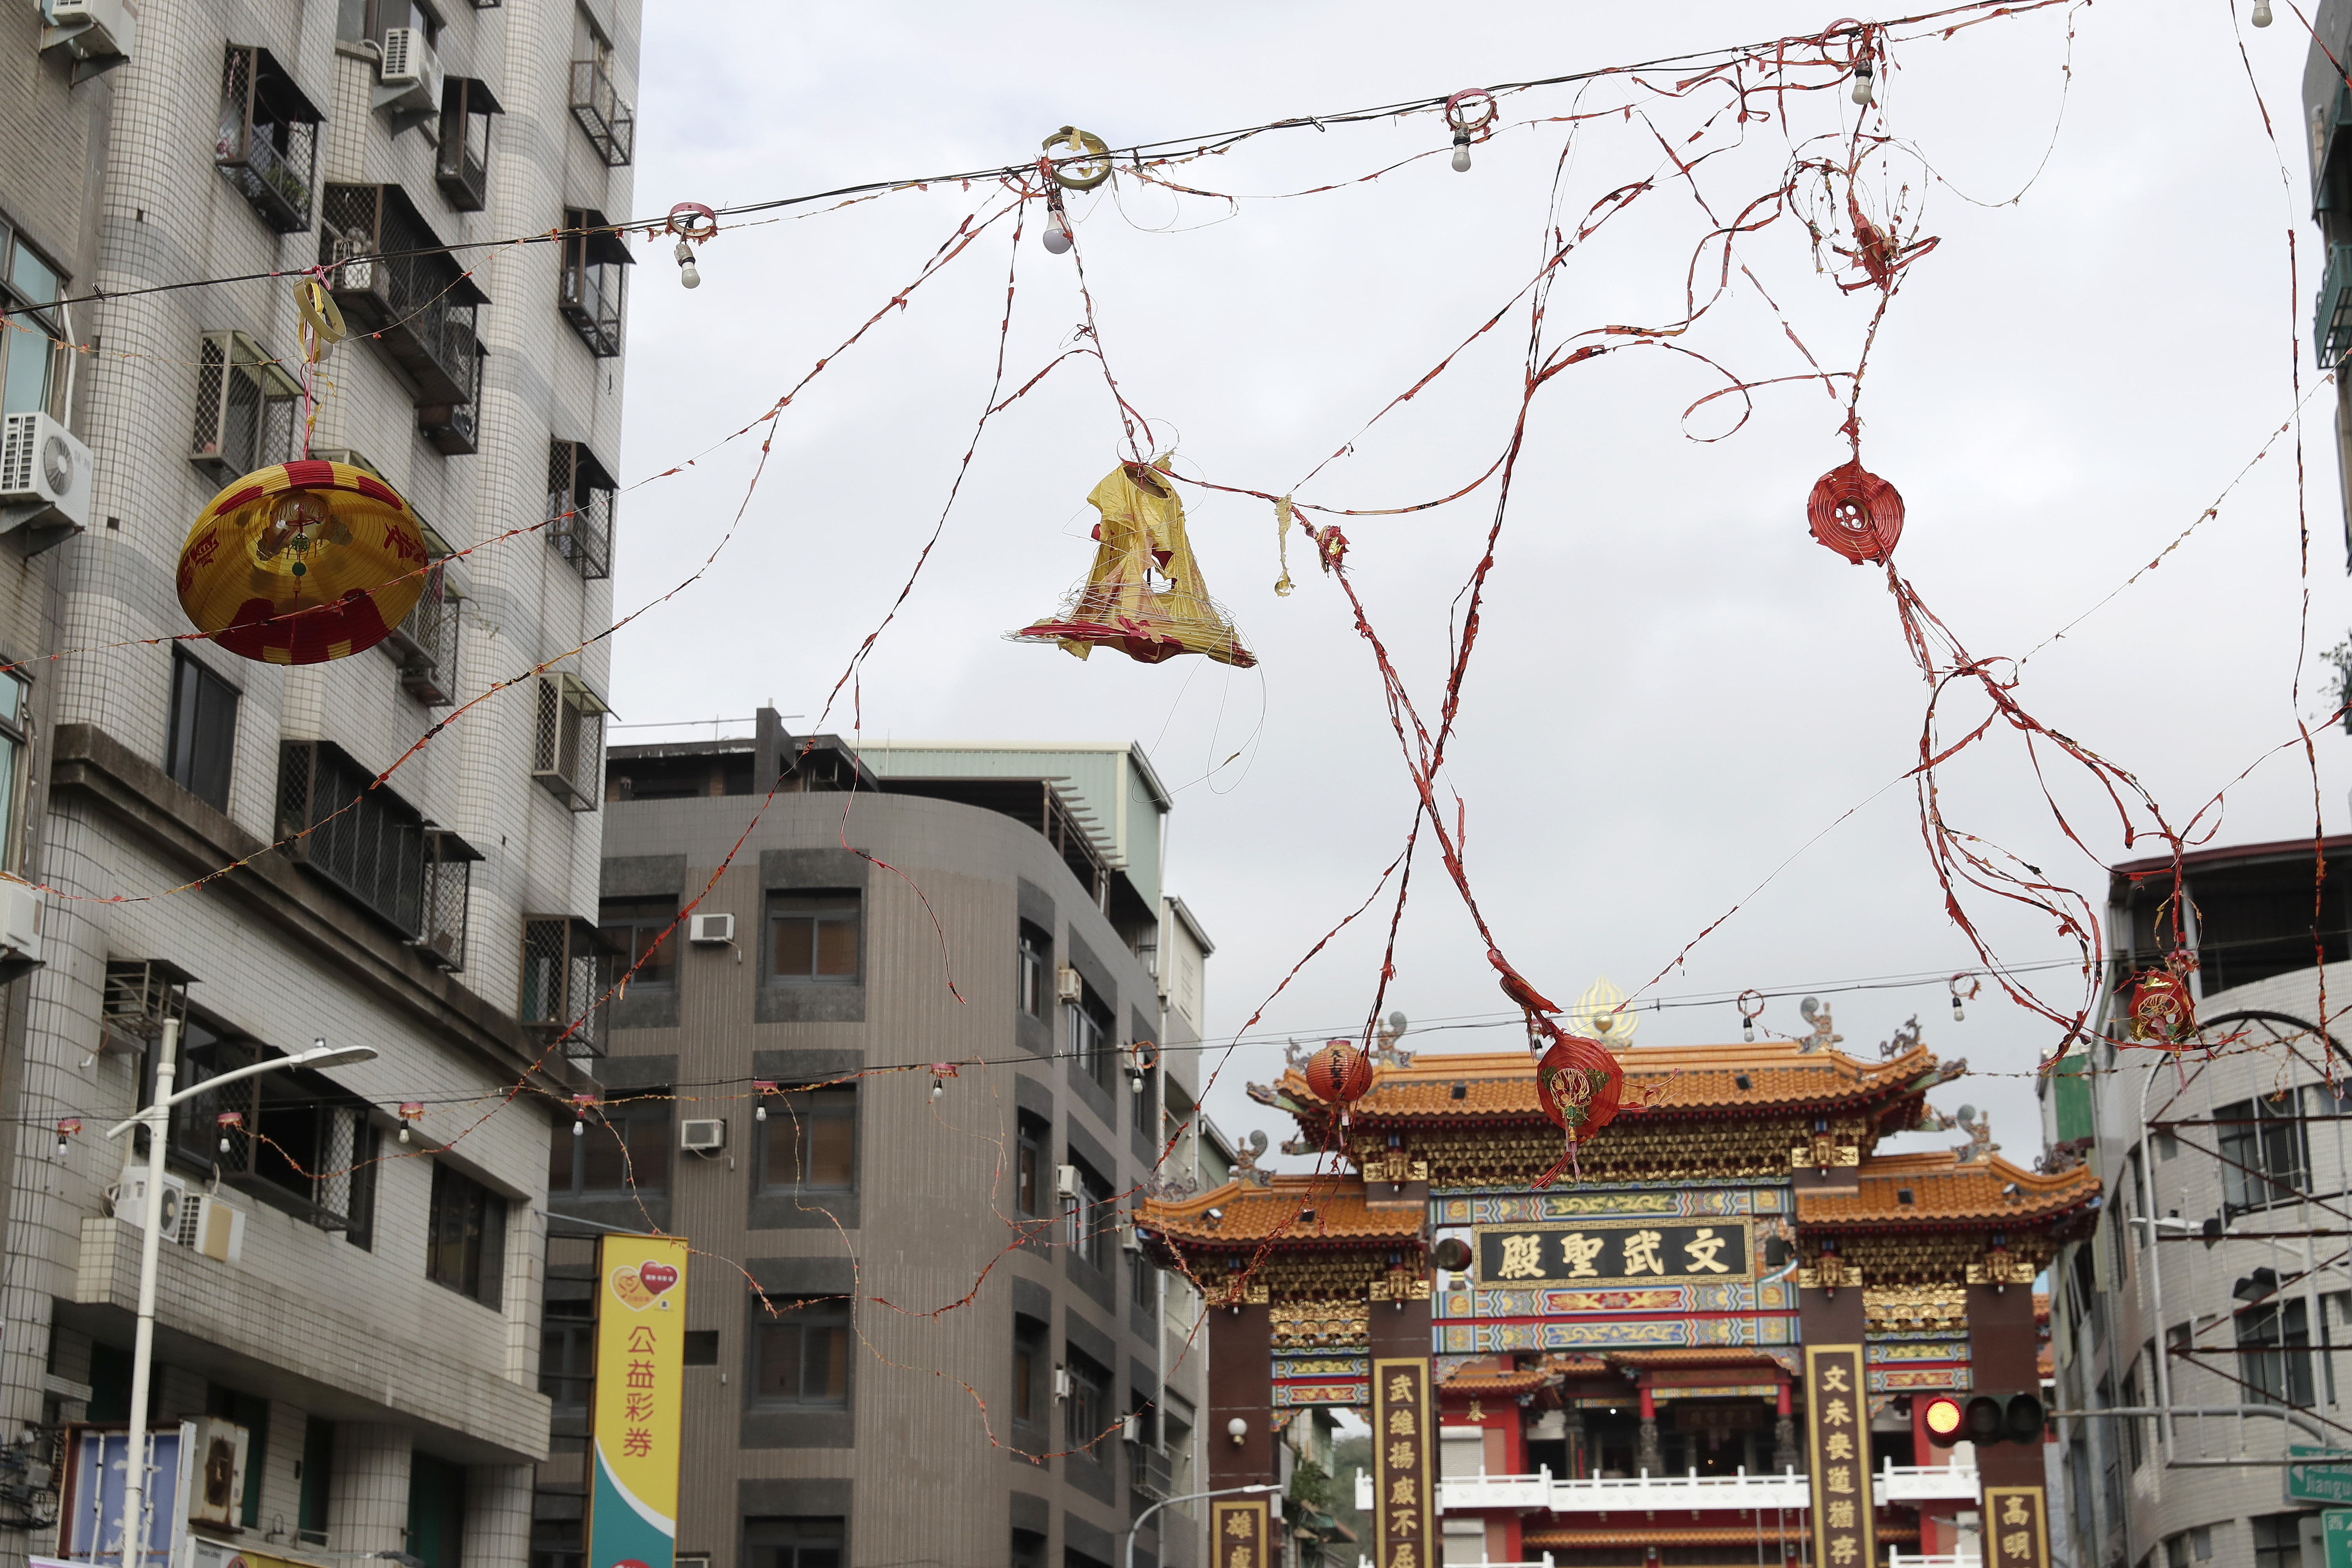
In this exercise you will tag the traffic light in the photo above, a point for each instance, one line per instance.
(1996, 1418)
(1943, 1421)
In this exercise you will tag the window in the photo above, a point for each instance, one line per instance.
(558, 1544)
(625, 1147)
(1033, 983)
(465, 1238)
(1029, 1366)
(567, 1349)
(317, 1474)
(580, 509)
(801, 1351)
(2274, 1353)
(1086, 1413)
(595, 277)
(248, 410)
(30, 382)
(269, 143)
(295, 1142)
(1176, 1429)
(2189, 1548)
(811, 1141)
(812, 937)
(792, 1543)
(1028, 1548)
(568, 742)
(2133, 1457)
(1029, 1177)
(596, 103)
(463, 167)
(701, 1348)
(635, 930)
(1091, 1216)
(202, 743)
(2265, 1158)
(1092, 1036)
(1142, 1282)
(352, 832)
(13, 752)
(2278, 1540)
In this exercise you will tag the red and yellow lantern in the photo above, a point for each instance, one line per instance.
(1338, 1074)
(2163, 1015)
(1857, 514)
(1578, 1083)
(302, 562)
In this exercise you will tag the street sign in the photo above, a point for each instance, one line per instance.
(2335, 1531)
(2318, 1475)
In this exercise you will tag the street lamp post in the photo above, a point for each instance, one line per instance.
(157, 1120)
(1128, 1556)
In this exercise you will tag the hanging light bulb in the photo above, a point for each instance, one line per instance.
(1959, 1012)
(1462, 152)
(939, 1087)
(65, 1130)
(1865, 91)
(687, 274)
(1057, 239)
(410, 1110)
(761, 1088)
(2262, 12)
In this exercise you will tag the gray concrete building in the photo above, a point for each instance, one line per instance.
(354, 1277)
(2216, 1284)
(916, 1318)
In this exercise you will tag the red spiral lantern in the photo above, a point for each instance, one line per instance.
(1340, 1074)
(1855, 513)
(2162, 1014)
(1578, 1083)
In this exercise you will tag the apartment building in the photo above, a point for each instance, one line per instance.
(354, 1277)
(919, 1325)
(2211, 1290)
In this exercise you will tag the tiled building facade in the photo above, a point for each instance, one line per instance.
(357, 1283)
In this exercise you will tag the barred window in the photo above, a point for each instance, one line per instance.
(465, 1237)
(248, 410)
(568, 749)
(594, 278)
(269, 141)
(580, 509)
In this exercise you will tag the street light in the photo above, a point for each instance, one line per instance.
(157, 1120)
(1188, 1496)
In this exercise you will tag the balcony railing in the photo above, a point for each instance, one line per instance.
(565, 972)
(269, 141)
(2331, 328)
(1612, 1494)
(463, 168)
(580, 509)
(424, 644)
(596, 275)
(453, 428)
(394, 280)
(611, 125)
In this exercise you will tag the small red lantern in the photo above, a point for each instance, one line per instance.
(1578, 1083)
(1855, 513)
(2162, 1014)
(1340, 1075)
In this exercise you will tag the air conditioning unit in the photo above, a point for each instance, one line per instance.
(97, 33)
(710, 929)
(1061, 1383)
(1066, 1183)
(20, 930)
(212, 1227)
(1130, 1429)
(45, 482)
(1131, 1240)
(410, 81)
(131, 1202)
(217, 1494)
(1067, 985)
(702, 1135)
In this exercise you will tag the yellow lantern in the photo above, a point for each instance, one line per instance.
(302, 562)
(1145, 596)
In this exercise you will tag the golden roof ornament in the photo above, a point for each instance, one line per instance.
(1596, 1015)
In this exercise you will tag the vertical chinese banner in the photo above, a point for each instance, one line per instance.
(1837, 1417)
(640, 1361)
(1402, 1435)
(2016, 1527)
(1239, 1529)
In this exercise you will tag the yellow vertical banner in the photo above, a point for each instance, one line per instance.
(639, 1418)
(1240, 1532)
(1837, 1417)
(1403, 1429)
(2016, 1527)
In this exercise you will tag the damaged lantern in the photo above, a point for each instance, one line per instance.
(1144, 596)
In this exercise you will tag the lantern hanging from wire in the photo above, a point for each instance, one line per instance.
(2162, 1013)
(1144, 596)
(1578, 1083)
(1855, 513)
(1340, 1075)
(302, 562)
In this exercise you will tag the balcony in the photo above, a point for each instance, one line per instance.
(611, 125)
(269, 141)
(462, 168)
(1523, 1493)
(1149, 1473)
(593, 281)
(580, 509)
(453, 428)
(2331, 327)
(424, 644)
(566, 970)
(395, 279)
(1923, 1483)
(568, 748)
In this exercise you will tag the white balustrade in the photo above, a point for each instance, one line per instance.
(1613, 1494)
(1629, 1494)
(1934, 1560)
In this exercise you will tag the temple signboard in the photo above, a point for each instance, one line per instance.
(1402, 1446)
(1616, 1252)
(1837, 1419)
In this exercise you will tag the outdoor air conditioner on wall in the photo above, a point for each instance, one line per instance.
(96, 33)
(702, 1135)
(410, 81)
(1061, 1383)
(45, 482)
(1067, 984)
(1066, 1183)
(711, 929)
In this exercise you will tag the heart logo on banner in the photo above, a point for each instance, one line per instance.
(629, 1291)
(657, 1277)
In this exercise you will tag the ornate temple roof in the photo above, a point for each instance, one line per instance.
(1304, 1211)
(1945, 1192)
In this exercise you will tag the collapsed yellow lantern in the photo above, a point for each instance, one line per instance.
(302, 562)
(1142, 536)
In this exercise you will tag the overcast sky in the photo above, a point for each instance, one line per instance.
(1675, 689)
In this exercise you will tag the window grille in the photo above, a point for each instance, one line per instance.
(463, 167)
(424, 643)
(580, 509)
(291, 1137)
(455, 428)
(269, 143)
(568, 752)
(449, 893)
(395, 282)
(595, 259)
(356, 834)
(565, 973)
(597, 105)
(248, 410)
(141, 993)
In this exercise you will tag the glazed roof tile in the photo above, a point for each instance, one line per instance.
(1696, 1355)
(1946, 1193)
(1341, 1216)
(1697, 1080)
(1469, 1382)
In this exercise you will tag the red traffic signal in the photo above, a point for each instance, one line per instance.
(1943, 1420)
